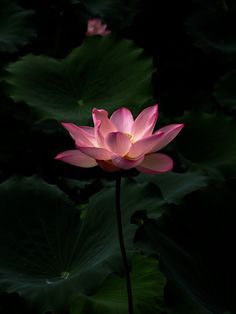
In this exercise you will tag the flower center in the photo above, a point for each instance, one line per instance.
(131, 138)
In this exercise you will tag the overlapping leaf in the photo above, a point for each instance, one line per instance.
(147, 285)
(207, 219)
(103, 72)
(208, 140)
(180, 268)
(174, 186)
(15, 28)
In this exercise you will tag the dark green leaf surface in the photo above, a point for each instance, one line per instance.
(49, 252)
(103, 72)
(225, 90)
(174, 186)
(180, 267)
(208, 140)
(193, 261)
(15, 28)
(147, 285)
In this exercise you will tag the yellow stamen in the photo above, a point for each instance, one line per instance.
(131, 138)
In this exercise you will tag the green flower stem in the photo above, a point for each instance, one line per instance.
(122, 246)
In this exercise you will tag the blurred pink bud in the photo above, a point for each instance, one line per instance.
(121, 142)
(96, 27)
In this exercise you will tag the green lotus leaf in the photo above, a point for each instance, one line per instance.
(103, 72)
(225, 90)
(181, 271)
(174, 186)
(15, 30)
(192, 265)
(208, 140)
(147, 286)
(50, 251)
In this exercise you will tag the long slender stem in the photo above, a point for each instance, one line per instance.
(122, 246)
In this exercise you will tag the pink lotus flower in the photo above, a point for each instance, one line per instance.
(120, 142)
(96, 27)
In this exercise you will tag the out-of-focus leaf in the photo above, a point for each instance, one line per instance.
(174, 186)
(147, 286)
(104, 8)
(49, 252)
(213, 27)
(206, 219)
(15, 28)
(225, 90)
(118, 13)
(208, 140)
(179, 264)
(103, 72)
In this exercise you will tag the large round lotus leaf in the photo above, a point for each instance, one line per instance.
(208, 140)
(147, 287)
(174, 186)
(213, 27)
(225, 90)
(49, 252)
(15, 29)
(103, 72)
